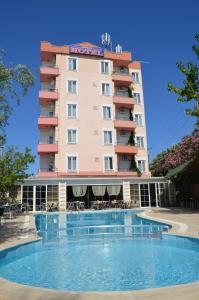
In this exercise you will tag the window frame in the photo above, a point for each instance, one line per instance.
(138, 77)
(110, 90)
(108, 130)
(141, 160)
(109, 70)
(68, 61)
(67, 110)
(143, 138)
(72, 155)
(77, 87)
(138, 93)
(104, 163)
(142, 118)
(111, 111)
(67, 135)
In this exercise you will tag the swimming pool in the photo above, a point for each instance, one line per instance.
(112, 262)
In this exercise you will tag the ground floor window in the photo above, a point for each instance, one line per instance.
(40, 197)
(135, 195)
(144, 193)
(27, 197)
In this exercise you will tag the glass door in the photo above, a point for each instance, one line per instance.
(40, 198)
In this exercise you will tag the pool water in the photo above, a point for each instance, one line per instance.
(107, 263)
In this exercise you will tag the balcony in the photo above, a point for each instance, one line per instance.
(48, 71)
(47, 148)
(126, 102)
(126, 149)
(45, 121)
(122, 76)
(47, 172)
(124, 124)
(47, 95)
(126, 172)
(122, 92)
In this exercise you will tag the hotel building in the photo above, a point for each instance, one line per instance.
(92, 130)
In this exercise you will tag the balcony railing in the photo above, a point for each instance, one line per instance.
(48, 169)
(47, 141)
(122, 117)
(48, 89)
(123, 142)
(49, 114)
(126, 170)
(48, 64)
(121, 93)
(121, 71)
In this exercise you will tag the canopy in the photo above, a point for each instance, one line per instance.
(99, 190)
(177, 170)
(79, 191)
(113, 190)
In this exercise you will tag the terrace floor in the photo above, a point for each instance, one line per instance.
(184, 222)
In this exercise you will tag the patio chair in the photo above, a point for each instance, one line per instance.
(70, 206)
(81, 205)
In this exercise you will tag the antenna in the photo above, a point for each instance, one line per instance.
(105, 39)
(118, 49)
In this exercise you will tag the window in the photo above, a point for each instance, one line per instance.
(51, 139)
(123, 133)
(72, 163)
(106, 89)
(106, 113)
(138, 119)
(108, 137)
(105, 67)
(123, 110)
(126, 158)
(72, 64)
(72, 136)
(137, 98)
(135, 76)
(141, 165)
(140, 142)
(108, 163)
(52, 193)
(72, 110)
(72, 86)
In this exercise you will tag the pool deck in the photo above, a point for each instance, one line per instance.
(185, 222)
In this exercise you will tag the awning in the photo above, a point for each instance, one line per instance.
(179, 169)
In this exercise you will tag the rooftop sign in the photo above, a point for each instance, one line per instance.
(86, 50)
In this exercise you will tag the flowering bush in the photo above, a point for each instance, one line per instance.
(186, 150)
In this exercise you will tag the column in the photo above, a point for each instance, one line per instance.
(62, 196)
(34, 198)
(126, 191)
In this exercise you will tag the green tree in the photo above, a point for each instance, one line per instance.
(11, 77)
(190, 90)
(13, 164)
(13, 167)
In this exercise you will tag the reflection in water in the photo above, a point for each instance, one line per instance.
(58, 226)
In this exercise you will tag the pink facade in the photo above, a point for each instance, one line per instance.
(91, 98)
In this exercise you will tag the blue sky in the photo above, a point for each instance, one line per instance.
(158, 32)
